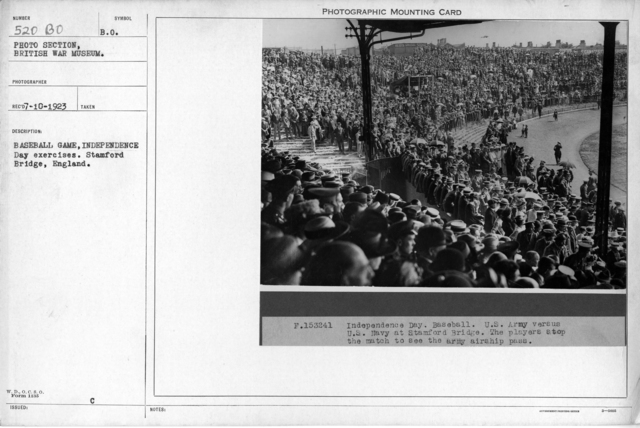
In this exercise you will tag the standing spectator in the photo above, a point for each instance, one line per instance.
(339, 136)
(313, 126)
(557, 152)
(294, 117)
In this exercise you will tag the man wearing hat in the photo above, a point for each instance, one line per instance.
(543, 179)
(504, 205)
(399, 269)
(338, 263)
(579, 263)
(370, 226)
(419, 178)
(582, 213)
(359, 197)
(281, 261)
(429, 242)
(383, 199)
(620, 274)
(433, 214)
(330, 200)
(545, 238)
(562, 226)
(472, 215)
(411, 211)
(489, 246)
(557, 248)
(444, 192)
(509, 249)
(312, 132)
(458, 227)
(613, 255)
(317, 231)
(491, 223)
(427, 179)
(439, 192)
(435, 183)
(462, 204)
(584, 189)
(351, 210)
(395, 215)
(570, 230)
(619, 217)
(477, 180)
(526, 238)
(562, 278)
(449, 204)
(603, 280)
(346, 191)
(282, 189)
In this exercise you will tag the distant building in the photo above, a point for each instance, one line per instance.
(355, 51)
(350, 51)
(406, 49)
(454, 46)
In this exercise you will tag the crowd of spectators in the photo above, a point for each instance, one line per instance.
(490, 216)
(305, 93)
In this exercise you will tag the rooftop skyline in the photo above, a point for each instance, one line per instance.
(316, 33)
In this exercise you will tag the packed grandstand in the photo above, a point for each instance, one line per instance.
(488, 216)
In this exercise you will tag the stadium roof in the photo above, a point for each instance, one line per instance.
(411, 25)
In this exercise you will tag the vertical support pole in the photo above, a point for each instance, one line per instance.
(606, 122)
(363, 43)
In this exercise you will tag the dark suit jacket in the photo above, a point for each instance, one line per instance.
(490, 220)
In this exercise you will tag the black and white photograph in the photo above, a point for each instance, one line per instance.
(446, 226)
(431, 153)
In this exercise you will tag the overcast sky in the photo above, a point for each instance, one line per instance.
(313, 33)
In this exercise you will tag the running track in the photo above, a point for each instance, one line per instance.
(571, 129)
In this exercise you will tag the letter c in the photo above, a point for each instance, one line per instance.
(92, 401)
